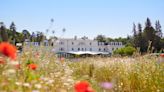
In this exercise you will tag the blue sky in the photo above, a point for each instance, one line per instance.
(113, 18)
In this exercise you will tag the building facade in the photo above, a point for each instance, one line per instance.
(64, 46)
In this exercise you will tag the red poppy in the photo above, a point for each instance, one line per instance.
(83, 86)
(17, 66)
(162, 55)
(8, 50)
(32, 66)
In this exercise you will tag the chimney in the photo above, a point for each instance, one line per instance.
(75, 37)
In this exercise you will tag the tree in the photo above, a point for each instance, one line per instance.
(109, 39)
(100, 38)
(39, 37)
(3, 32)
(148, 23)
(140, 38)
(32, 37)
(134, 30)
(13, 29)
(158, 35)
(149, 34)
(158, 29)
(135, 40)
(26, 34)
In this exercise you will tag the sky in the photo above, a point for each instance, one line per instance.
(112, 18)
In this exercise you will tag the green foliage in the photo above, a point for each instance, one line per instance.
(101, 38)
(11, 35)
(129, 50)
(141, 37)
(148, 34)
(3, 33)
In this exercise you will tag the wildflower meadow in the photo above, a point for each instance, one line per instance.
(38, 69)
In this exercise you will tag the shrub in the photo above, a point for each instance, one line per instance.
(127, 51)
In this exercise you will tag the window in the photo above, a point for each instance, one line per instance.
(72, 49)
(61, 49)
(90, 43)
(112, 49)
(99, 49)
(90, 49)
(52, 44)
(78, 49)
(104, 49)
(85, 49)
(72, 43)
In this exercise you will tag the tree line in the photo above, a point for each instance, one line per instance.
(11, 35)
(144, 39)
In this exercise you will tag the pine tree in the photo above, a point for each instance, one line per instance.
(135, 41)
(158, 35)
(134, 30)
(149, 33)
(140, 39)
(13, 29)
(3, 32)
(158, 29)
(148, 23)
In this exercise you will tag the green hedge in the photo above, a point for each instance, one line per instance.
(126, 51)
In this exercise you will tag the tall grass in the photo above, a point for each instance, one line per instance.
(127, 74)
(140, 74)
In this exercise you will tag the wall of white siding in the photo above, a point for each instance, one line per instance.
(66, 45)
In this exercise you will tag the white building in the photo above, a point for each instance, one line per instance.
(65, 47)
